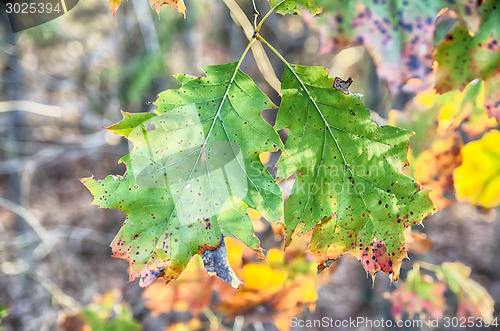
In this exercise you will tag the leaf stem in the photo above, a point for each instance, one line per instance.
(260, 56)
(265, 42)
(250, 43)
(257, 29)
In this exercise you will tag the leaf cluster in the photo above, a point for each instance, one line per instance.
(194, 172)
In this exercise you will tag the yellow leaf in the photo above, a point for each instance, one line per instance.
(447, 114)
(477, 180)
(275, 255)
(302, 291)
(234, 252)
(426, 98)
(466, 109)
(262, 276)
(114, 4)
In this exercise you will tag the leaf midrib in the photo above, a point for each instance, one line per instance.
(331, 133)
(217, 116)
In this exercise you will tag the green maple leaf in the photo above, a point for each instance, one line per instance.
(193, 171)
(349, 186)
(463, 56)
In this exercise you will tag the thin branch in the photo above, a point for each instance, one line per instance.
(32, 107)
(31, 220)
(61, 298)
(255, 14)
(263, 63)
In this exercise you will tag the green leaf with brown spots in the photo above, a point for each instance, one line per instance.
(192, 173)
(463, 56)
(294, 6)
(349, 186)
(399, 34)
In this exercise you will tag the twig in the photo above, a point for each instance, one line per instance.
(263, 63)
(212, 318)
(88, 145)
(61, 298)
(32, 107)
(255, 14)
(31, 220)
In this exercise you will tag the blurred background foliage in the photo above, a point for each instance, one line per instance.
(63, 81)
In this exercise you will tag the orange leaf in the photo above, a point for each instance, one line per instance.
(114, 4)
(191, 292)
(176, 4)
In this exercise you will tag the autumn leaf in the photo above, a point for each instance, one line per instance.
(349, 187)
(192, 173)
(418, 294)
(477, 180)
(178, 5)
(418, 242)
(114, 4)
(434, 167)
(464, 109)
(191, 292)
(434, 153)
(453, 110)
(283, 285)
(473, 299)
(435, 150)
(261, 277)
(463, 56)
(398, 34)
